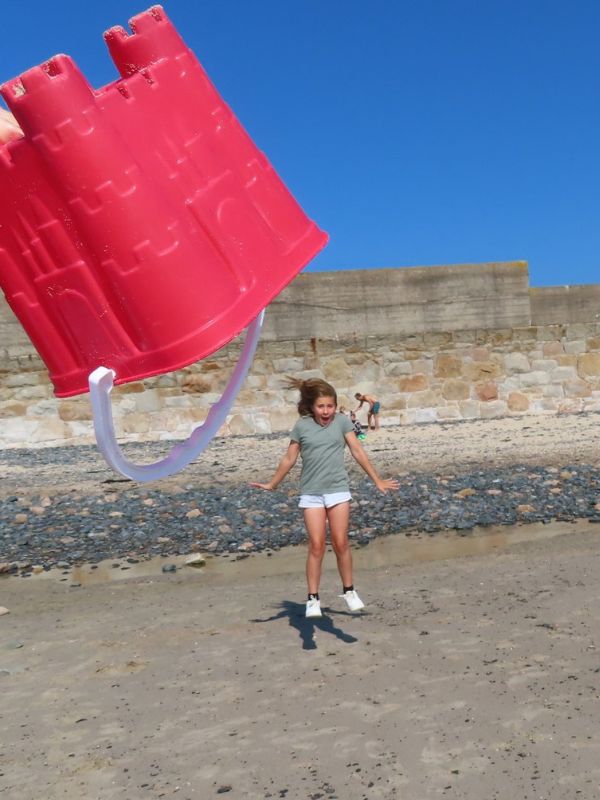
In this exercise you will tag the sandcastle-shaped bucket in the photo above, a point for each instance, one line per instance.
(140, 227)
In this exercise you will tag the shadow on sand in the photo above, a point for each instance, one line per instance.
(307, 627)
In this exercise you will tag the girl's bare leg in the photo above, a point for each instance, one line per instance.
(315, 520)
(339, 519)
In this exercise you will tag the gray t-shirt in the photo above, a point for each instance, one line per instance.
(322, 451)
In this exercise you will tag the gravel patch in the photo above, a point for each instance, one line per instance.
(63, 506)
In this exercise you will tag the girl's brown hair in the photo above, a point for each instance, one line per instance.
(310, 391)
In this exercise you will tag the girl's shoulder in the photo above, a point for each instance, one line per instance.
(304, 419)
(344, 422)
(303, 424)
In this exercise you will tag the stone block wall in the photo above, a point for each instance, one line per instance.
(516, 363)
(427, 377)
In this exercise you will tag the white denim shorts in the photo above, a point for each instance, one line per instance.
(323, 500)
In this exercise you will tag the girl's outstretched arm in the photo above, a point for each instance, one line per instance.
(285, 465)
(362, 459)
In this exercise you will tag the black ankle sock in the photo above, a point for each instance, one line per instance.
(347, 589)
(313, 595)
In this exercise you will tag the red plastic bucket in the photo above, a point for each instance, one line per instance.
(140, 227)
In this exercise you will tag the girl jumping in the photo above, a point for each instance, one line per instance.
(319, 437)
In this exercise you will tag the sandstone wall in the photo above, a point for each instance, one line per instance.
(467, 371)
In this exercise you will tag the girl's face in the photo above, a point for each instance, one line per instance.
(323, 410)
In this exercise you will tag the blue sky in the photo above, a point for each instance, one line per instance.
(416, 132)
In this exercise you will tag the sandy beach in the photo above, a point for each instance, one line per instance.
(473, 672)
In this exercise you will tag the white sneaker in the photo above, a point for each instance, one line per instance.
(313, 608)
(353, 601)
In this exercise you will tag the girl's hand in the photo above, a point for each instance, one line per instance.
(268, 486)
(387, 484)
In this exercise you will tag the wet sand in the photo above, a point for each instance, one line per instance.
(473, 673)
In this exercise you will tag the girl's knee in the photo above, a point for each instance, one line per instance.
(340, 547)
(316, 549)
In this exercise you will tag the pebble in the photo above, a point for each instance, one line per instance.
(196, 560)
(466, 492)
(3, 611)
(525, 508)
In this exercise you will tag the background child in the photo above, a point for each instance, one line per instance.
(320, 436)
(358, 429)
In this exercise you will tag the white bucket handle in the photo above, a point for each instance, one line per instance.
(101, 383)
